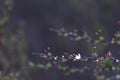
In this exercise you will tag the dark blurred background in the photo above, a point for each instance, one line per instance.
(40, 15)
(33, 18)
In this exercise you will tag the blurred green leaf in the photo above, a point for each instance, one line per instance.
(48, 65)
(39, 66)
(5, 78)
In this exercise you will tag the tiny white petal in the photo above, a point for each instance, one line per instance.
(117, 60)
(77, 57)
(97, 60)
(109, 53)
(56, 57)
(118, 76)
(62, 56)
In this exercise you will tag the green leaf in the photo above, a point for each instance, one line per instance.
(118, 42)
(4, 20)
(78, 38)
(39, 66)
(48, 65)
(73, 70)
(113, 41)
(65, 34)
(31, 64)
(106, 63)
(101, 38)
(5, 78)
(118, 35)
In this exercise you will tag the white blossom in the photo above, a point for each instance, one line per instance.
(77, 57)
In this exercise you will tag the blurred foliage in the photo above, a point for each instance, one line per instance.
(13, 59)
